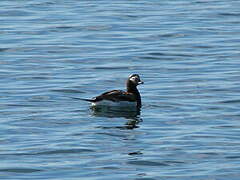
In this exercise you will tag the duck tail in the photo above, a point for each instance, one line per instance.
(89, 100)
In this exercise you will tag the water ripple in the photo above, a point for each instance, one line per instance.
(148, 163)
(20, 170)
(55, 52)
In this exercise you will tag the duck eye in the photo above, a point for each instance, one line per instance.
(133, 78)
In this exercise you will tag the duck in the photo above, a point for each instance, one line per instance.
(120, 98)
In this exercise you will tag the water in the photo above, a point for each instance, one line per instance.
(53, 52)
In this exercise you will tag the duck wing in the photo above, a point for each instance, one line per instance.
(116, 95)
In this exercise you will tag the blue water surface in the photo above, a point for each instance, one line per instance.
(53, 52)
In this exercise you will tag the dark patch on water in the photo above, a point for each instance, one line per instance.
(147, 163)
(20, 170)
(52, 152)
(234, 14)
(4, 49)
(68, 91)
(65, 151)
(112, 68)
(135, 153)
(233, 101)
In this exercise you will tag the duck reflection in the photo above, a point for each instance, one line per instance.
(132, 115)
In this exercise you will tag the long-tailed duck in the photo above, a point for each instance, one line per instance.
(120, 98)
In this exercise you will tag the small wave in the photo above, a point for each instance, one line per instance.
(111, 68)
(229, 14)
(4, 49)
(135, 153)
(65, 151)
(148, 163)
(233, 157)
(52, 152)
(233, 101)
(67, 91)
(20, 170)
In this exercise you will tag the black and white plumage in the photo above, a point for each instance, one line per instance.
(130, 97)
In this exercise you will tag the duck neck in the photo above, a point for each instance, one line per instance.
(131, 88)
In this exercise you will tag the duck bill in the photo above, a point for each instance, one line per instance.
(140, 82)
